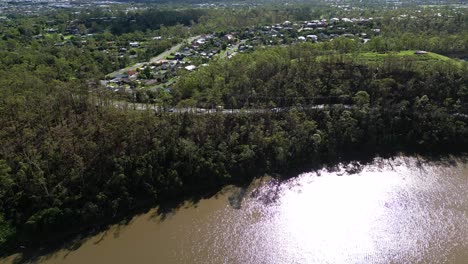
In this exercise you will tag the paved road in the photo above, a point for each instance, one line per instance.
(154, 59)
(158, 109)
(172, 50)
(232, 49)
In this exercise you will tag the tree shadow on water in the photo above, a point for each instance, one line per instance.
(236, 198)
(58, 249)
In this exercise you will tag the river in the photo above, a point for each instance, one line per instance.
(400, 210)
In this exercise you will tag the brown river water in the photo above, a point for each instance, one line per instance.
(390, 211)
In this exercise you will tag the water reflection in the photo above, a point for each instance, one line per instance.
(391, 211)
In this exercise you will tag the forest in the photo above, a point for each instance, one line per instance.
(70, 160)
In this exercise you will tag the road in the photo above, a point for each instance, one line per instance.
(158, 109)
(154, 59)
(231, 50)
(172, 50)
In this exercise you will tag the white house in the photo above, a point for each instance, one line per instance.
(190, 67)
(312, 37)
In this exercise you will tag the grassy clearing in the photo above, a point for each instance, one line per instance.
(375, 58)
(407, 54)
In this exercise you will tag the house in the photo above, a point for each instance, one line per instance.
(200, 41)
(179, 56)
(73, 31)
(190, 67)
(363, 21)
(131, 73)
(322, 24)
(312, 37)
(229, 37)
(134, 44)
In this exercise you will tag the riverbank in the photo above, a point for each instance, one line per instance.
(391, 207)
(348, 166)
